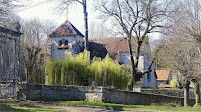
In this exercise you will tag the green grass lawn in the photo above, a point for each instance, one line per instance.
(154, 107)
(7, 108)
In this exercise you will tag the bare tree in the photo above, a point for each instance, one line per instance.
(63, 7)
(7, 15)
(184, 57)
(187, 25)
(35, 35)
(192, 21)
(180, 53)
(137, 18)
(99, 30)
(8, 10)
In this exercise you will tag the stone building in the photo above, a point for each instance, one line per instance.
(67, 39)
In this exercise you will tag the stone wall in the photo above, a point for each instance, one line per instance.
(6, 90)
(168, 92)
(138, 98)
(46, 92)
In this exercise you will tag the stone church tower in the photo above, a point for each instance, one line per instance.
(66, 39)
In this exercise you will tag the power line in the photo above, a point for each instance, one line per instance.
(33, 6)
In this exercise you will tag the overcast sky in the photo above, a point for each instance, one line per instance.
(46, 11)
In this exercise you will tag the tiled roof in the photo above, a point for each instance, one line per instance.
(113, 45)
(65, 29)
(162, 74)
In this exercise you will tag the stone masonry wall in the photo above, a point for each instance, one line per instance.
(138, 98)
(73, 93)
(47, 92)
(168, 92)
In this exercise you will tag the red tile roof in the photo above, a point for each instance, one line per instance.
(114, 45)
(65, 29)
(162, 74)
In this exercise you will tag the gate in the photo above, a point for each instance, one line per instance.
(10, 62)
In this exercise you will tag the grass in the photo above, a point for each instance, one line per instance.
(154, 107)
(7, 108)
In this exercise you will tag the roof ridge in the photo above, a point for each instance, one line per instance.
(66, 29)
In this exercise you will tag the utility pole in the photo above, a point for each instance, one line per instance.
(86, 24)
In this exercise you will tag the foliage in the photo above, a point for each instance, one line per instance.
(78, 70)
(173, 82)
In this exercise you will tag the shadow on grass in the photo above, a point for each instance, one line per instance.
(6, 108)
(112, 106)
(108, 106)
(29, 106)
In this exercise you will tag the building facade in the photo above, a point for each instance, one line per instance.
(66, 39)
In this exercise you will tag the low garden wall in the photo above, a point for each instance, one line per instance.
(6, 90)
(47, 92)
(169, 92)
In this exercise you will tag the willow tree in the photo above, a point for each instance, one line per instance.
(137, 18)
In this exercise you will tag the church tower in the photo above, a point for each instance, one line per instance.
(66, 39)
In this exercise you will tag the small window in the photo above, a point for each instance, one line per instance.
(63, 44)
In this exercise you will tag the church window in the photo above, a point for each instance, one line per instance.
(63, 44)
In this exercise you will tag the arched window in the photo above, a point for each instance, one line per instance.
(63, 44)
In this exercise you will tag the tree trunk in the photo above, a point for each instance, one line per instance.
(186, 93)
(86, 24)
(197, 94)
(132, 63)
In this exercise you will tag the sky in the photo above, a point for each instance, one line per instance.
(46, 11)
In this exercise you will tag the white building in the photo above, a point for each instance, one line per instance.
(66, 38)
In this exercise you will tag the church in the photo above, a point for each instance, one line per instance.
(68, 39)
